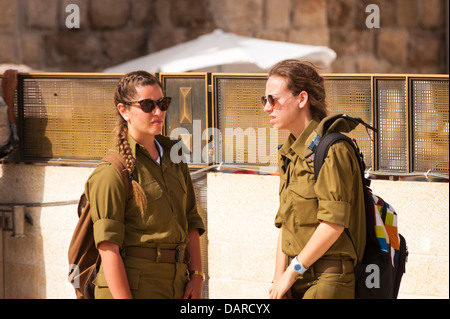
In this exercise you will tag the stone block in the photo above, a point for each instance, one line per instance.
(109, 14)
(7, 49)
(8, 15)
(351, 41)
(272, 35)
(310, 35)
(344, 64)
(162, 37)
(435, 284)
(42, 14)
(392, 45)
(310, 13)
(31, 49)
(368, 63)
(340, 13)
(425, 49)
(407, 12)
(197, 16)
(143, 13)
(74, 51)
(433, 14)
(278, 15)
(163, 8)
(124, 45)
(238, 16)
(25, 281)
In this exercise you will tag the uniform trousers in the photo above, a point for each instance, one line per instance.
(148, 279)
(323, 285)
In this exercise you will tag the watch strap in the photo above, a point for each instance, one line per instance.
(197, 272)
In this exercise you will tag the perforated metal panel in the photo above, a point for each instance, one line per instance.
(70, 118)
(430, 102)
(392, 125)
(354, 98)
(247, 135)
(187, 116)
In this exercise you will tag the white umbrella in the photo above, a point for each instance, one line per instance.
(220, 48)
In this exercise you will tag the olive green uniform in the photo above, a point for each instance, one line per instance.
(336, 197)
(170, 213)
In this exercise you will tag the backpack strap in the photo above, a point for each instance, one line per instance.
(118, 162)
(319, 157)
(323, 147)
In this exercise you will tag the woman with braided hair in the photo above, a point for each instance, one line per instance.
(149, 244)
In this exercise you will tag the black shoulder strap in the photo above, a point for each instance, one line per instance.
(319, 157)
(323, 147)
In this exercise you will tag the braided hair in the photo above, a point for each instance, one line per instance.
(126, 92)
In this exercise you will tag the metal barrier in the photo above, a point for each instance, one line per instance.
(69, 118)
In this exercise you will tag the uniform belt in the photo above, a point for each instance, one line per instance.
(169, 256)
(333, 266)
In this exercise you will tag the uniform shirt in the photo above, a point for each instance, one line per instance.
(336, 197)
(171, 209)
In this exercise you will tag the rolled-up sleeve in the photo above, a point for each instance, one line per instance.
(335, 183)
(106, 195)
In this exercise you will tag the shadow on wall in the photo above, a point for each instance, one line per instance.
(22, 268)
(23, 257)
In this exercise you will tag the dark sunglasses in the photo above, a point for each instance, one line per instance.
(272, 99)
(148, 105)
(269, 98)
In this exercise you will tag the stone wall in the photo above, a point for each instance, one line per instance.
(241, 256)
(412, 37)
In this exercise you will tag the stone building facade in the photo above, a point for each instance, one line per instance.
(412, 36)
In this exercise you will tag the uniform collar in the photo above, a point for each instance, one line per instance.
(133, 145)
(165, 142)
(300, 145)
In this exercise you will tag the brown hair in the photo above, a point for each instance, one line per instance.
(126, 92)
(302, 76)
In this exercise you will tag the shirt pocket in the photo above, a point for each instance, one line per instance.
(304, 203)
(153, 191)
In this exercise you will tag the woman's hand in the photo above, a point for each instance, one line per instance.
(281, 287)
(194, 288)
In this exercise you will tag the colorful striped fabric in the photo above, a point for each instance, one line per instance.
(386, 227)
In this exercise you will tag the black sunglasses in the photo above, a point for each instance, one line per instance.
(148, 105)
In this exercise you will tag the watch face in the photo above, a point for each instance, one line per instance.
(297, 267)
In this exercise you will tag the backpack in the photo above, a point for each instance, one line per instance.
(84, 258)
(380, 271)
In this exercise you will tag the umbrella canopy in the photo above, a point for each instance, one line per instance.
(220, 48)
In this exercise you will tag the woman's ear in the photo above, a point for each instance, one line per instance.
(123, 111)
(303, 99)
